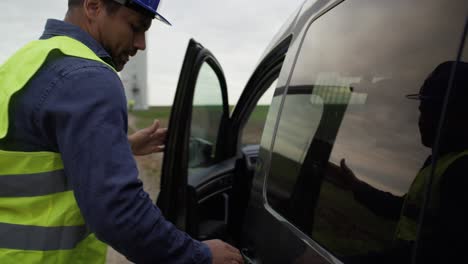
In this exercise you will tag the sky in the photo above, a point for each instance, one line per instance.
(237, 32)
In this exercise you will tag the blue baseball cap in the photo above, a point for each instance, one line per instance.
(147, 7)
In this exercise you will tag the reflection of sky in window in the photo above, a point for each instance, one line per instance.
(345, 46)
(299, 121)
(377, 154)
(270, 122)
(384, 157)
(378, 136)
(208, 88)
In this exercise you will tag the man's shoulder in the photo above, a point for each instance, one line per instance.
(64, 78)
(63, 66)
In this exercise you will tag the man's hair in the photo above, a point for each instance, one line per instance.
(111, 5)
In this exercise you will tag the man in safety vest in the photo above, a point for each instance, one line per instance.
(68, 179)
(443, 236)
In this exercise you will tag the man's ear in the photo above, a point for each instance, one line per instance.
(93, 8)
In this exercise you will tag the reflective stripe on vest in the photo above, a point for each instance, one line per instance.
(40, 221)
(407, 224)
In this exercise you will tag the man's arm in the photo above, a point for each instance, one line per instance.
(379, 202)
(86, 116)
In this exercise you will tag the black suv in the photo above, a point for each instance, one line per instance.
(362, 153)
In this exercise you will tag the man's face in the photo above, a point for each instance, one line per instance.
(429, 115)
(122, 34)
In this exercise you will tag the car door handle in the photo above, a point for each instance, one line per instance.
(247, 256)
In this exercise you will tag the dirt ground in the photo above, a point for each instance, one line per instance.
(149, 168)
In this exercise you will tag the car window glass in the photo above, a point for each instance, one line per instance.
(206, 117)
(347, 113)
(263, 160)
(252, 131)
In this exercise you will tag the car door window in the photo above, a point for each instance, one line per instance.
(207, 114)
(347, 114)
(252, 131)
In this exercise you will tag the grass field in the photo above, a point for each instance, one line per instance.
(251, 134)
(150, 166)
(146, 117)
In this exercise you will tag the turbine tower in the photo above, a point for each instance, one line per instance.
(134, 78)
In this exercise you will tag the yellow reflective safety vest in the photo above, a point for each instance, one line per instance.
(408, 223)
(40, 221)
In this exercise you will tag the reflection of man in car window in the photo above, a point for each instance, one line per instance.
(444, 233)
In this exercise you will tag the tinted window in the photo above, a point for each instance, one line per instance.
(206, 117)
(267, 137)
(347, 112)
(253, 129)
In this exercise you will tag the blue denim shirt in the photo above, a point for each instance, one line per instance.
(77, 107)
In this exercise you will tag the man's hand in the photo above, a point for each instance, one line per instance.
(148, 140)
(223, 252)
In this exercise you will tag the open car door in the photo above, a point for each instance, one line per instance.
(191, 172)
(208, 166)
